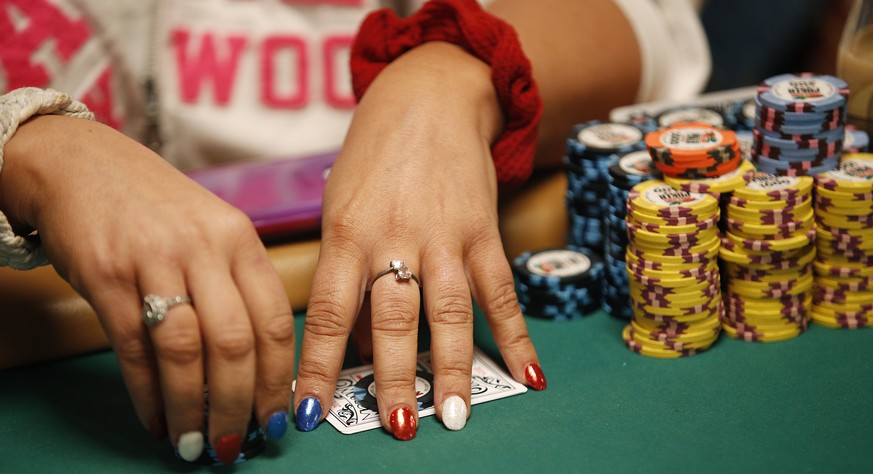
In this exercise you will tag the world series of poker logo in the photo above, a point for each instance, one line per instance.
(665, 195)
(806, 89)
(768, 182)
(853, 170)
(691, 138)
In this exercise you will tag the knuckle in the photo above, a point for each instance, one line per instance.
(234, 345)
(455, 370)
(393, 383)
(312, 373)
(280, 329)
(503, 303)
(395, 315)
(452, 309)
(180, 347)
(132, 351)
(325, 318)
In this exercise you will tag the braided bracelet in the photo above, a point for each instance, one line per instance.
(16, 107)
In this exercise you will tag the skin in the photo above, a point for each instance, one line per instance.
(176, 238)
(413, 147)
(414, 181)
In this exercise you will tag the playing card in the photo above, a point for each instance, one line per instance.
(354, 406)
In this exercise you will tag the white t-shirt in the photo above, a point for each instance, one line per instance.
(254, 79)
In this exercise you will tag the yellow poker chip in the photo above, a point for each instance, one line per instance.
(764, 316)
(769, 216)
(768, 187)
(769, 205)
(650, 264)
(842, 241)
(690, 228)
(753, 336)
(694, 318)
(750, 291)
(701, 257)
(852, 297)
(844, 208)
(847, 235)
(832, 313)
(843, 323)
(787, 229)
(676, 301)
(658, 198)
(842, 307)
(854, 175)
(788, 287)
(678, 282)
(792, 243)
(844, 222)
(707, 271)
(843, 196)
(650, 352)
(700, 286)
(691, 337)
(772, 325)
(689, 313)
(722, 184)
(675, 329)
(770, 304)
(846, 284)
(767, 277)
(700, 343)
(843, 270)
(667, 249)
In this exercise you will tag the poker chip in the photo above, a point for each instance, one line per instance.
(593, 149)
(725, 183)
(559, 283)
(690, 113)
(803, 92)
(768, 187)
(694, 150)
(673, 275)
(799, 125)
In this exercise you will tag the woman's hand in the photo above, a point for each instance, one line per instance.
(119, 223)
(414, 182)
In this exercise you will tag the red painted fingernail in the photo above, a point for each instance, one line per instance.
(535, 378)
(227, 448)
(403, 424)
(158, 427)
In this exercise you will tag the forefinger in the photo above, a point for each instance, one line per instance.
(337, 292)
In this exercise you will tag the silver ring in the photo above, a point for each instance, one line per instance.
(155, 308)
(401, 273)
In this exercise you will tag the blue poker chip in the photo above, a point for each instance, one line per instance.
(555, 268)
(799, 142)
(770, 166)
(743, 114)
(803, 92)
(798, 128)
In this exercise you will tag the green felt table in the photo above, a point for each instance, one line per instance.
(803, 405)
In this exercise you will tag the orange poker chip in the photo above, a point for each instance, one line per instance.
(692, 141)
(680, 171)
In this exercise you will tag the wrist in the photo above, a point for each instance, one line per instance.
(438, 82)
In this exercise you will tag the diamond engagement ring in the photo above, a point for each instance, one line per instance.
(401, 273)
(155, 308)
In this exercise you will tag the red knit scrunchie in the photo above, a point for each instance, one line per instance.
(383, 37)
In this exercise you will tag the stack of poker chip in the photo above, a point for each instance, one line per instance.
(629, 170)
(671, 262)
(559, 283)
(694, 150)
(591, 149)
(843, 296)
(767, 254)
(799, 124)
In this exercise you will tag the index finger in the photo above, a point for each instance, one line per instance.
(336, 296)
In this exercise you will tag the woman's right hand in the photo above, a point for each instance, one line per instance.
(120, 223)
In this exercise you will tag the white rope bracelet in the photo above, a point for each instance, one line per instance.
(16, 107)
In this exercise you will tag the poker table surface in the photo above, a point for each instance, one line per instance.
(802, 405)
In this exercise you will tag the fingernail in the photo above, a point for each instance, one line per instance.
(190, 446)
(454, 413)
(227, 448)
(535, 378)
(308, 414)
(277, 424)
(403, 424)
(158, 427)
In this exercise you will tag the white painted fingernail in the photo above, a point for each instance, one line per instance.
(191, 445)
(454, 413)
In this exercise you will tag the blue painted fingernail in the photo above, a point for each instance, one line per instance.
(308, 414)
(277, 424)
